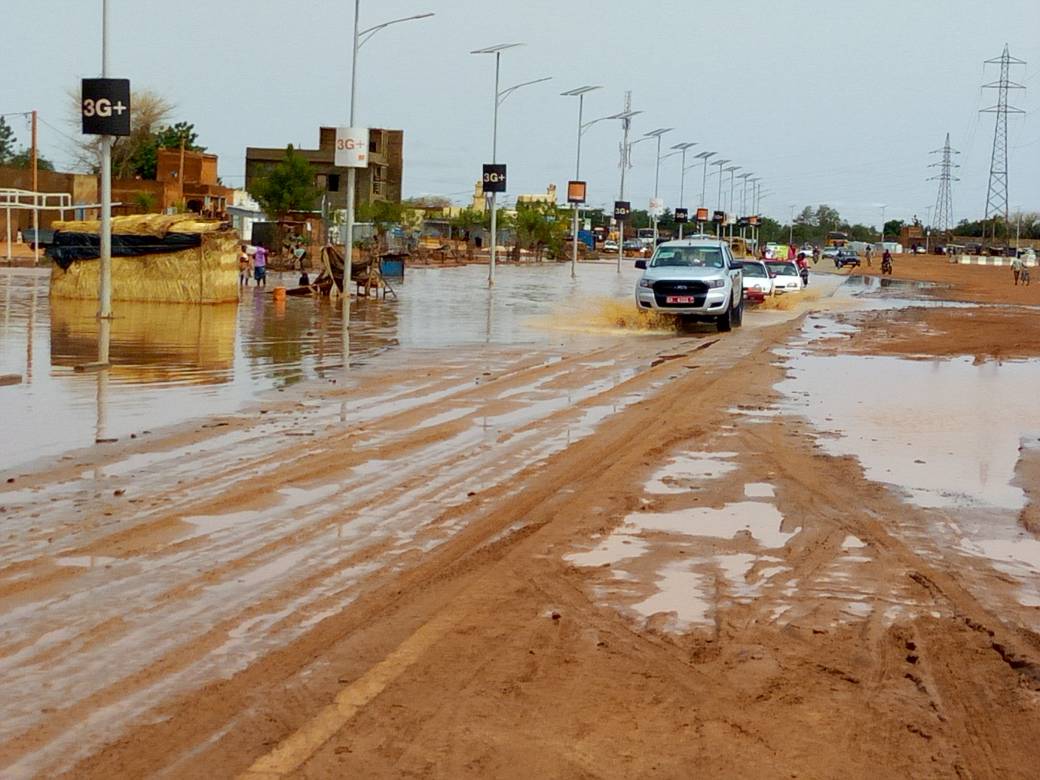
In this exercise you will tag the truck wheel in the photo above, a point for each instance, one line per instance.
(724, 322)
(738, 314)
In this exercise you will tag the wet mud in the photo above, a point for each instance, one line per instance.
(548, 551)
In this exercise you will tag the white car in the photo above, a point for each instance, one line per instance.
(758, 284)
(785, 277)
(610, 245)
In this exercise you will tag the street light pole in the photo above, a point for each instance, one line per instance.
(883, 207)
(580, 92)
(718, 207)
(704, 186)
(730, 170)
(500, 96)
(790, 227)
(682, 148)
(657, 169)
(105, 239)
(361, 37)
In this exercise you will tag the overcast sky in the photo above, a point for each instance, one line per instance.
(828, 101)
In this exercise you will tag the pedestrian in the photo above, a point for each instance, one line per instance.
(18, 237)
(869, 253)
(260, 266)
(243, 267)
(1016, 269)
(1024, 276)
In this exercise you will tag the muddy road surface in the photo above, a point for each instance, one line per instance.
(807, 548)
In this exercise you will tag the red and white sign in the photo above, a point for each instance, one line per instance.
(351, 147)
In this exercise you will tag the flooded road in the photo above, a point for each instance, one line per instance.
(172, 363)
(448, 549)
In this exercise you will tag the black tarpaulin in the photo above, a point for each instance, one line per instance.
(70, 247)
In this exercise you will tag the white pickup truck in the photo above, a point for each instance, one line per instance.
(694, 279)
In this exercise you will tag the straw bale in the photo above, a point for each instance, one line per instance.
(206, 274)
(157, 225)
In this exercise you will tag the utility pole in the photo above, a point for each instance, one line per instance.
(944, 200)
(997, 194)
(36, 198)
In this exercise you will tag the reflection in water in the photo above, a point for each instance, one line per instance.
(174, 362)
(150, 342)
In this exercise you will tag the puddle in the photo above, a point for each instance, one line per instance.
(945, 432)
(680, 472)
(756, 519)
(759, 490)
(679, 594)
(614, 549)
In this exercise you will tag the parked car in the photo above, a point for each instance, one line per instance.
(610, 245)
(636, 245)
(757, 281)
(785, 276)
(845, 257)
(694, 279)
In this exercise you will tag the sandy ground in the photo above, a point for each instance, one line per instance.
(647, 558)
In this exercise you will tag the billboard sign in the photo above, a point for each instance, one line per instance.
(682, 216)
(576, 191)
(105, 106)
(622, 209)
(351, 147)
(494, 178)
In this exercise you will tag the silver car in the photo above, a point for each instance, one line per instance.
(695, 279)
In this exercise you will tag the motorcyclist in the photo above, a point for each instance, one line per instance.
(886, 263)
(815, 254)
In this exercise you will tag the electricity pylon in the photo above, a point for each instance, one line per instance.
(997, 196)
(943, 221)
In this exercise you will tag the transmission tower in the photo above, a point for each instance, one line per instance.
(997, 197)
(944, 200)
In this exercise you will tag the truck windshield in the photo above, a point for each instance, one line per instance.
(688, 257)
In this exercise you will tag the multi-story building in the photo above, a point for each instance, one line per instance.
(381, 180)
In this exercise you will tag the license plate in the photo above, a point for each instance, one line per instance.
(679, 299)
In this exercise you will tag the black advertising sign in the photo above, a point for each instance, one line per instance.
(494, 177)
(743, 221)
(622, 208)
(105, 106)
(719, 216)
(682, 216)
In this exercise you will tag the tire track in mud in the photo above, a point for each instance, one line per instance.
(199, 645)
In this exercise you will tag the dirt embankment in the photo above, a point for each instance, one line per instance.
(983, 284)
(987, 333)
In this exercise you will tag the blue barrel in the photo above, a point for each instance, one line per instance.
(392, 265)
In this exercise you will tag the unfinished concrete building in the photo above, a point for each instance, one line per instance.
(380, 181)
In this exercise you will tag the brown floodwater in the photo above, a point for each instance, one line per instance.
(175, 362)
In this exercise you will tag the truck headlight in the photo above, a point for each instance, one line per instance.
(716, 283)
(646, 283)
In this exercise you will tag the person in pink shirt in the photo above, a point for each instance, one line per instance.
(260, 267)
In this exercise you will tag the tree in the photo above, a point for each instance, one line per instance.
(23, 159)
(6, 141)
(145, 158)
(539, 228)
(288, 186)
(828, 219)
(892, 228)
(382, 214)
(149, 112)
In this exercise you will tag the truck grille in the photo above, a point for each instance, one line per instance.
(664, 288)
